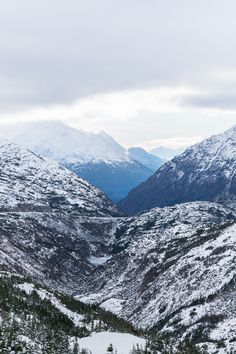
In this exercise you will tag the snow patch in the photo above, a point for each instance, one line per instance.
(98, 260)
(122, 342)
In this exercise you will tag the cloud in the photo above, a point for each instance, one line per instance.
(115, 106)
(59, 52)
(173, 143)
(141, 70)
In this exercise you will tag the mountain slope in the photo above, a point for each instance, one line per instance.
(29, 182)
(205, 171)
(144, 158)
(173, 271)
(97, 158)
(37, 320)
(51, 221)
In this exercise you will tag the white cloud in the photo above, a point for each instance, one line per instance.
(174, 143)
(115, 106)
(147, 117)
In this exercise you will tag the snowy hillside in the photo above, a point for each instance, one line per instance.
(36, 320)
(170, 270)
(122, 343)
(97, 158)
(173, 271)
(29, 182)
(205, 171)
(60, 142)
(144, 158)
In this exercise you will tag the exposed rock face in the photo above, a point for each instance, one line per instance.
(206, 171)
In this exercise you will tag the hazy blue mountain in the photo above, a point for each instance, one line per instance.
(98, 158)
(145, 158)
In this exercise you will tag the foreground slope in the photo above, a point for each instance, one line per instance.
(97, 158)
(37, 320)
(173, 270)
(205, 171)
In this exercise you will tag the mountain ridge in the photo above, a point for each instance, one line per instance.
(97, 158)
(205, 171)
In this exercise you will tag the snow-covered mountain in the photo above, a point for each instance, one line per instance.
(205, 171)
(144, 158)
(173, 270)
(97, 158)
(29, 182)
(38, 320)
(59, 142)
(52, 221)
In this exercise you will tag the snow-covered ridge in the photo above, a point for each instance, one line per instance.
(62, 143)
(97, 158)
(173, 270)
(59, 142)
(205, 171)
(30, 182)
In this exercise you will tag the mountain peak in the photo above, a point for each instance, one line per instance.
(205, 171)
(61, 142)
(29, 182)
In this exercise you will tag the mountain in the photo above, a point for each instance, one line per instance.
(173, 272)
(29, 182)
(205, 171)
(97, 158)
(51, 221)
(144, 158)
(166, 153)
(37, 320)
(170, 271)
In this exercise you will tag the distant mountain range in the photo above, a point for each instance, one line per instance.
(97, 158)
(169, 271)
(205, 171)
(166, 153)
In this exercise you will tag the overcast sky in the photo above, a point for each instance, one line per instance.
(149, 72)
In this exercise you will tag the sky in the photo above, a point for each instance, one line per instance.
(148, 72)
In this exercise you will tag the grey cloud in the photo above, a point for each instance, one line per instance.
(212, 101)
(60, 50)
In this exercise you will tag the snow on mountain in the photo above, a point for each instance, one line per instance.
(122, 343)
(38, 320)
(173, 271)
(60, 142)
(205, 171)
(97, 158)
(51, 221)
(144, 158)
(29, 182)
(54, 248)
